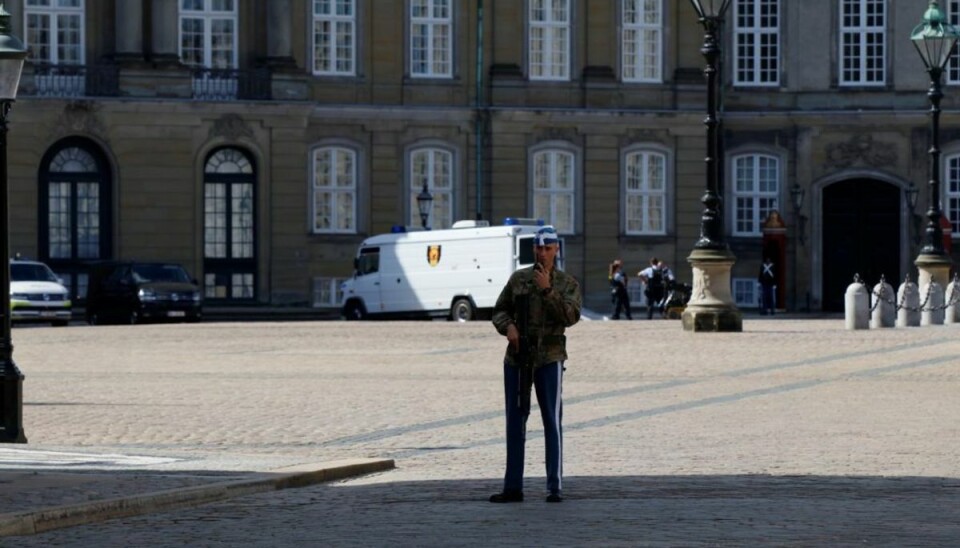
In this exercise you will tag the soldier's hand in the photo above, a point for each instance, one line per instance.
(541, 277)
(513, 337)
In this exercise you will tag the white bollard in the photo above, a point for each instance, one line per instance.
(856, 304)
(932, 295)
(909, 298)
(952, 298)
(884, 306)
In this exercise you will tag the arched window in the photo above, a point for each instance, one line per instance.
(554, 188)
(75, 210)
(756, 191)
(229, 226)
(433, 167)
(645, 192)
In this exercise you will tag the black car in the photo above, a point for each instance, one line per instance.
(132, 292)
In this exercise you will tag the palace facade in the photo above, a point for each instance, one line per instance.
(259, 142)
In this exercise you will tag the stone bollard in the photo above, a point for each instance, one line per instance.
(909, 298)
(884, 306)
(952, 298)
(856, 304)
(932, 296)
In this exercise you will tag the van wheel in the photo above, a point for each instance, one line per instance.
(133, 318)
(354, 311)
(93, 319)
(462, 310)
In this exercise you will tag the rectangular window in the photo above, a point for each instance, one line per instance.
(549, 40)
(334, 190)
(334, 37)
(431, 33)
(757, 42)
(645, 193)
(953, 66)
(952, 184)
(208, 33)
(863, 42)
(746, 292)
(554, 188)
(55, 31)
(327, 293)
(433, 168)
(756, 192)
(641, 40)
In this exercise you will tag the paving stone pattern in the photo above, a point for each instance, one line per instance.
(794, 432)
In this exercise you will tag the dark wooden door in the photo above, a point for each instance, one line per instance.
(861, 235)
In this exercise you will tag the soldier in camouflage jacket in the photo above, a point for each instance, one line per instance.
(553, 303)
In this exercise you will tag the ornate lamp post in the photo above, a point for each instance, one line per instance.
(424, 203)
(12, 54)
(934, 39)
(711, 307)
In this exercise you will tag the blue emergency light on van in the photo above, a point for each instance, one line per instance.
(397, 229)
(513, 221)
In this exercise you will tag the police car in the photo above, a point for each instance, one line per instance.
(37, 295)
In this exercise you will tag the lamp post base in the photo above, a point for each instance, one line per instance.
(11, 405)
(932, 267)
(711, 307)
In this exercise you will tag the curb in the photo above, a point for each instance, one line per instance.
(57, 517)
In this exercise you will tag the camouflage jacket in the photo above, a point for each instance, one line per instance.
(549, 314)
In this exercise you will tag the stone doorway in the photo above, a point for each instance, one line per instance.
(861, 235)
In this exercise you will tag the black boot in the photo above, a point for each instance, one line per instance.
(507, 496)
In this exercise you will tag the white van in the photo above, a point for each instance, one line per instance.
(456, 273)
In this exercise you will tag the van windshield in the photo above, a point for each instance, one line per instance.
(31, 272)
(160, 273)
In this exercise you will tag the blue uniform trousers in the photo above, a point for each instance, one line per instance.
(547, 381)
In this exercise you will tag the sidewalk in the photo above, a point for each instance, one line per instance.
(46, 490)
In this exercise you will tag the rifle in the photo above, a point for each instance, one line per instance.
(525, 354)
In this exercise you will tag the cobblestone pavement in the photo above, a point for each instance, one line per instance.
(794, 432)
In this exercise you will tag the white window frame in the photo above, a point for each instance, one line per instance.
(548, 167)
(638, 166)
(440, 173)
(748, 173)
(746, 292)
(641, 41)
(953, 65)
(436, 32)
(327, 292)
(341, 53)
(554, 37)
(208, 16)
(342, 185)
(951, 187)
(53, 11)
(756, 46)
(859, 36)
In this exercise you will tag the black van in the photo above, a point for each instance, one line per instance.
(132, 292)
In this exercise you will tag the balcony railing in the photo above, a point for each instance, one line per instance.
(54, 80)
(231, 84)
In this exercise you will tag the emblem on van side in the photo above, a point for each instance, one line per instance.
(433, 254)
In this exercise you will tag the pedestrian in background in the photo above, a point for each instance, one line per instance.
(653, 279)
(550, 302)
(619, 294)
(768, 283)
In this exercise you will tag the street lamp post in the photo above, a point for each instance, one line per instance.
(12, 54)
(424, 203)
(934, 39)
(711, 306)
